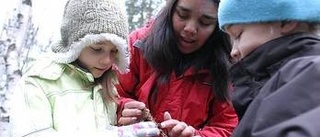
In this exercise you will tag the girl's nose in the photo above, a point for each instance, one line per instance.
(106, 60)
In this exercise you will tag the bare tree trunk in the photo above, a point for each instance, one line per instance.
(16, 39)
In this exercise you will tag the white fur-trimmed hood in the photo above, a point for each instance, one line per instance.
(121, 63)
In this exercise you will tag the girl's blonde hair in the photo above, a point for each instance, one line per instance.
(109, 92)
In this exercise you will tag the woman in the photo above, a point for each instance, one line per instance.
(179, 69)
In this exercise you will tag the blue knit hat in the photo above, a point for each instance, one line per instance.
(255, 11)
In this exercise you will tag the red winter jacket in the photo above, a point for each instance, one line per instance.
(187, 98)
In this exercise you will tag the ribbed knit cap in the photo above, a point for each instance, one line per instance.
(255, 11)
(87, 22)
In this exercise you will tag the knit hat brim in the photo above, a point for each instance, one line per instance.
(257, 11)
(122, 61)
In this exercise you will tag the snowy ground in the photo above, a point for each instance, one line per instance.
(4, 132)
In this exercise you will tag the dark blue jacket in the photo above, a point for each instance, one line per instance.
(277, 89)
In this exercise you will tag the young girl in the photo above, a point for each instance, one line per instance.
(277, 74)
(71, 92)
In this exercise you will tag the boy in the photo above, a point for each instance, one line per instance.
(278, 68)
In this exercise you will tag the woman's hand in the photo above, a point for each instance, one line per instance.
(176, 128)
(132, 112)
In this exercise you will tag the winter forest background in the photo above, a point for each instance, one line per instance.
(28, 27)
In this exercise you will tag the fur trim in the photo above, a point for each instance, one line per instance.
(122, 62)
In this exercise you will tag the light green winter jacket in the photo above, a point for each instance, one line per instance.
(57, 98)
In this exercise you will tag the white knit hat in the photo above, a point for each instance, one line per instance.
(87, 22)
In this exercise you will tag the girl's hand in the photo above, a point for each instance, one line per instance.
(133, 112)
(176, 128)
(141, 129)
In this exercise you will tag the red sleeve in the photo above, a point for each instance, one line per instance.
(130, 82)
(120, 107)
(222, 122)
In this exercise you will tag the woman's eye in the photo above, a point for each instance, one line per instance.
(207, 22)
(182, 14)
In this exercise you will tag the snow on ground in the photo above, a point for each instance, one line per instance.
(4, 132)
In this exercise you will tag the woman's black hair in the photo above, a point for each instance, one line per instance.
(161, 51)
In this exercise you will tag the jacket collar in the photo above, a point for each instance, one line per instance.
(51, 70)
(268, 57)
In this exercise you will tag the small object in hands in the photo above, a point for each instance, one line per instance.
(148, 116)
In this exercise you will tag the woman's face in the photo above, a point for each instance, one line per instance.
(247, 37)
(98, 58)
(193, 22)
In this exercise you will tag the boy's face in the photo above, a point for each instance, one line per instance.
(247, 37)
(98, 58)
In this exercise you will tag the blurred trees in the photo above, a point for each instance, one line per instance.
(140, 11)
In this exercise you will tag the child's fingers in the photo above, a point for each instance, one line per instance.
(135, 104)
(127, 120)
(147, 124)
(148, 132)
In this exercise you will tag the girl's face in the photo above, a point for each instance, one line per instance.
(98, 58)
(247, 37)
(193, 22)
